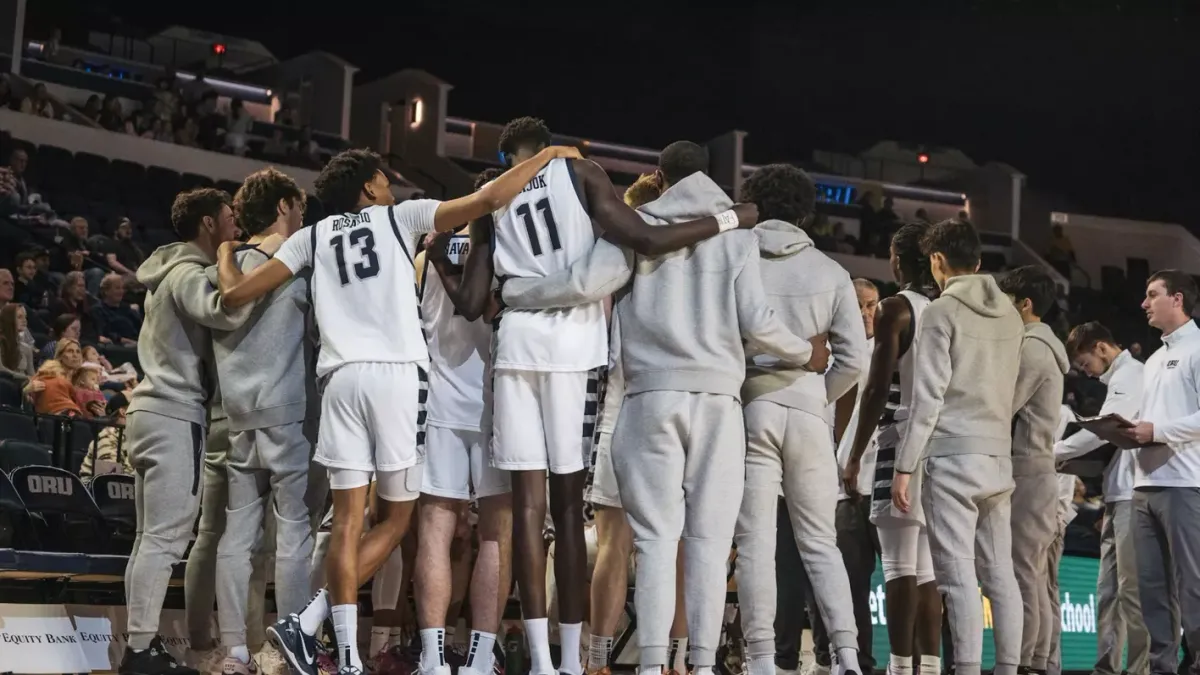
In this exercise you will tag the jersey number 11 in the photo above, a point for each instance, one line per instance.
(526, 214)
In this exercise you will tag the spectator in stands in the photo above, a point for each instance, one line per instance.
(124, 377)
(124, 256)
(38, 103)
(92, 108)
(305, 151)
(112, 117)
(86, 384)
(1061, 253)
(162, 130)
(116, 319)
(7, 98)
(240, 122)
(73, 299)
(16, 356)
(923, 217)
(275, 145)
(186, 133)
(8, 287)
(196, 89)
(56, 395)
(31, 291)
(77, 254)
(842, 242)
(211, 123)
(105, 453)
(64, 326)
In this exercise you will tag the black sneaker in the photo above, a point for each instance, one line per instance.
(155, 660)
(298, 649)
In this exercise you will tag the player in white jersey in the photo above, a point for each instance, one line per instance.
(545, 378)
(458, 466)
(372, 365)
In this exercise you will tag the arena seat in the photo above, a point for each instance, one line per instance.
(14, 454)
(80, 434)
(14, 521)
(65, 518)
(114, 496)
(10, 391)
(18, 426)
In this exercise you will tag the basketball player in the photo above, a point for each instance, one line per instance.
(1119, 610)
(680, 434)
(959, 436)
(1036, 409)
(788, 439)
(372, 359)
(545, 362)
(458, 466)
(263, 368)
(914, 607)
(168, 412)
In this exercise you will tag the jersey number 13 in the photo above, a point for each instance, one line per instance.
(543, 207)
(364, 241)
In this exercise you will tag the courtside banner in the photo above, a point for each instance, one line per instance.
(39, 639)
(101, 630)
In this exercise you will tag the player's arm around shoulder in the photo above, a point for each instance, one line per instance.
(238, 289)
(455, 213)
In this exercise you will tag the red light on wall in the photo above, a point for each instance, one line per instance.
(923, 158)
(218, 49)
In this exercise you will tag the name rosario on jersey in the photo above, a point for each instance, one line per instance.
(350, 220)
(538, 183)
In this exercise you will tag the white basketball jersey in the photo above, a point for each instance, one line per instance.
(906, 365)
(364, 283)
(458, 351)
(542, 231)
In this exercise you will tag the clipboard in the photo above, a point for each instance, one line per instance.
(1092, 464)
(1108, 428)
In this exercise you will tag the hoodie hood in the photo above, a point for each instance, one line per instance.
(779, 239)
(166, 258)
(696, 196)
(1043, 333)
(980, 293)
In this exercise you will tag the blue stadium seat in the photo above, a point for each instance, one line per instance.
(15, 454)
(114, 496)
(17, 426)
(14, 521)
(63, 514)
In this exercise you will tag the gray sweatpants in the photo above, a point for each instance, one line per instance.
(679, 458)
(1166, 536)
(1050, 628)
(968, 517)
(1034, 527)
(793, 448)
(167, 455)
(265, 466)
(1119, 622)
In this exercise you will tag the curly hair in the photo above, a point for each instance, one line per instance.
(341, 181)
(644, 189)
(257, 201)
(957, 240)
(781, 192)
(192, 207)
(486, 176)
(524, 132)
(914, 264)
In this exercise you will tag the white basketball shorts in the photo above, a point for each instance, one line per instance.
(603, 491)
(458, 465)
(543, 420)
(373, 417)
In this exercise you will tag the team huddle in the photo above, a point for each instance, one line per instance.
(688, 352)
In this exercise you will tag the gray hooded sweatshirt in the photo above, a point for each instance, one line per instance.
(686, 313)
(811, 294)
(1037, 403)
(266, 365)
(175, 344)
(968, 354)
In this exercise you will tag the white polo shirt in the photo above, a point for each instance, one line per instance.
(1171, 401)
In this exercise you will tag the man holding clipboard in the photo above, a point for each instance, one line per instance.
(1094, 351)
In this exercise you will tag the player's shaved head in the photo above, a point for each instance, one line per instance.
(680, 160)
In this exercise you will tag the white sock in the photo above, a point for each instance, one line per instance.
(570, 636)
(315, 613)
(703, 670)
(931, 665)
(241, 653)
(345, 626)
(677, 656)
(599, 651)
(396, 637)
(847, 659)
(379, 639)
(480, 656)
(537, 631)
(654, 670)
(899, 665)
(433, 648)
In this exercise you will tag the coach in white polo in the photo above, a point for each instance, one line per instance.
(1166, 483)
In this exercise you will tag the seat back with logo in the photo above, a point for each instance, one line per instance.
(61, 509)
(15, 531)
(115, 497)
(15, 454)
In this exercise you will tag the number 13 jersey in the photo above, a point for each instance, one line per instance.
(364, 283)
(542, 231)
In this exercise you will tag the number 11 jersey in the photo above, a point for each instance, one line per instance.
(363, 283)
(542, 231)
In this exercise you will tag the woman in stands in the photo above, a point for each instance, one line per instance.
(64, 326)
(57, 396)
(16, 357)
(73, 299)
